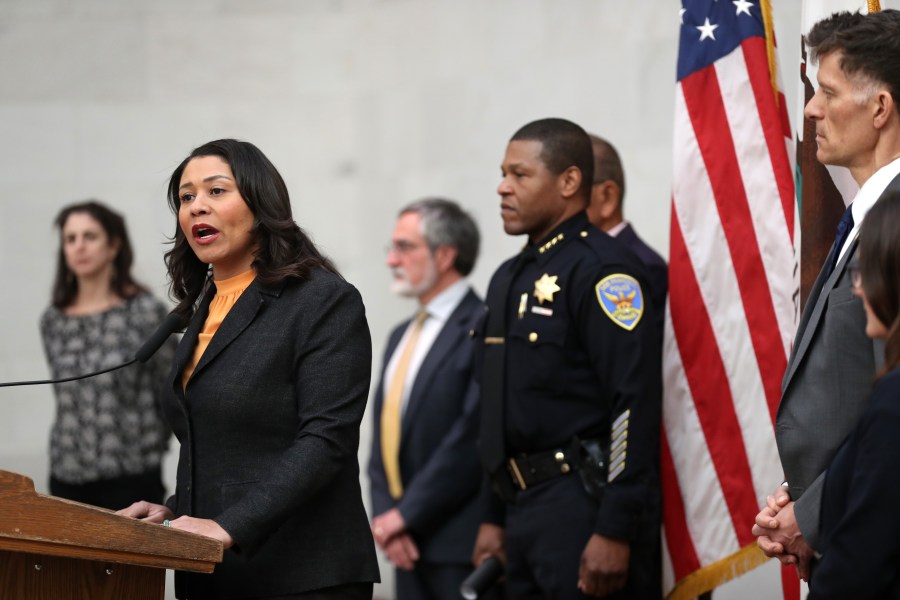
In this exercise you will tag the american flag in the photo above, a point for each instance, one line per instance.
(733, 293)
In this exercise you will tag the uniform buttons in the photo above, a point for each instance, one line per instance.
(559, 456)
(564, 467)
(532, 337)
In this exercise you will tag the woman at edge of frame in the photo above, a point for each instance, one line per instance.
(859, 520)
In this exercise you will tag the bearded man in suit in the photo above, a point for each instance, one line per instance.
(424, 469)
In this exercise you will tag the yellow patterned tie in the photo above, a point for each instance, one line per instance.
(391, 411)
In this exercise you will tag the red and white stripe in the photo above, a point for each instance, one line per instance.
(732, 307)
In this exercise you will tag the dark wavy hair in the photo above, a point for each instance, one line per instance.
(564, 145)
(879, 263)
(283, 250)
(65, 284)
(869, 45)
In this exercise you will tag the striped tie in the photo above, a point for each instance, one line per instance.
(392, 410)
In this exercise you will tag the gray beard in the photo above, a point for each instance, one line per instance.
(402, 287)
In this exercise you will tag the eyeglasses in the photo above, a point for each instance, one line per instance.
(855, 274)
(401, 247)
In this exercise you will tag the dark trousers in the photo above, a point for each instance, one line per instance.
(115, 493)
(197, 586)
(433, 581)
(548, 528)
(350, 591)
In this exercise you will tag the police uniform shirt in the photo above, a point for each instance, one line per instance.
(581, 360)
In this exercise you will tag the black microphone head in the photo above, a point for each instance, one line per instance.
(170, 325)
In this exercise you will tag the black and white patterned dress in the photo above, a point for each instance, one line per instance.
(110, 425)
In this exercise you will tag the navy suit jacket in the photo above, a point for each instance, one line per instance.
(269, 432)
(656, 269)
(439, 463)
(860, 531)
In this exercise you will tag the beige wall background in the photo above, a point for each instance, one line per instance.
(363, 105)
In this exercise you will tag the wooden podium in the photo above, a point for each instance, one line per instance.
(55, 549)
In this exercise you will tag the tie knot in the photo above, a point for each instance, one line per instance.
(420, 317)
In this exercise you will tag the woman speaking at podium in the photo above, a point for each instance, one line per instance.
(267, 390)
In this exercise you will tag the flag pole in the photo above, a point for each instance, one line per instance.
(766, 6)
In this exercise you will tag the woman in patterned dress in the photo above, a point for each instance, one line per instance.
(108, 439)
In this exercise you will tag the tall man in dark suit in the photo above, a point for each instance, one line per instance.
(605, 212)
(424, 466)
(833, 363)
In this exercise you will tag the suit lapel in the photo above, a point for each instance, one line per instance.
(811, 318)
(236, 321)
(393, 342)
(185, 349)
(447, 340)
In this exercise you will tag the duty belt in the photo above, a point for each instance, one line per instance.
(527, 470)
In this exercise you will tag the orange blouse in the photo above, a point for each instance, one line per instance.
(227, 293)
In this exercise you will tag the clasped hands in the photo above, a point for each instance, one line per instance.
(778, 535)
(391, 535)
(157, 513)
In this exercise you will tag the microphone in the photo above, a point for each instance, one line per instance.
(170, 325)
(481, 579)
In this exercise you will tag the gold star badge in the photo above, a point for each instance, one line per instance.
(545, 287)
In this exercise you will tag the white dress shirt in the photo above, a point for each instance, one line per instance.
(866, 197)
(617, 229)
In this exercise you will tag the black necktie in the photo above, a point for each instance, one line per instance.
(845, 225)
(491, 439)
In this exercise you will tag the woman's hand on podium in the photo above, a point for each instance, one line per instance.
(206, 527)
(158, 513)
(147, 511)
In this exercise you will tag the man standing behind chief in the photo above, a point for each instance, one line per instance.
(605, 212)
(424, 466)
(833, 363)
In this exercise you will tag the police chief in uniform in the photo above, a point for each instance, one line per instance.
(570, 389)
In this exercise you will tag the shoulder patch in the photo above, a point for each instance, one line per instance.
(622, 300)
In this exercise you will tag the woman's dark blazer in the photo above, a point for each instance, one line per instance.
(269, 431)
(860, 518)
